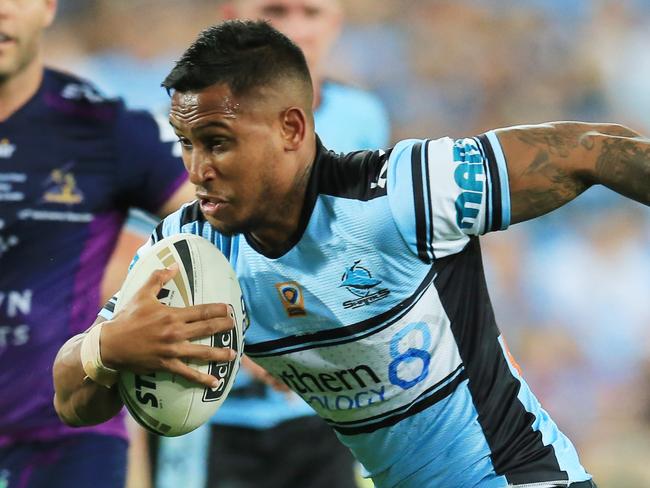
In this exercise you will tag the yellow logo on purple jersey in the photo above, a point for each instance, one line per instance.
(62, 188)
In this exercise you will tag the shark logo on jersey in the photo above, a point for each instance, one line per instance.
(292, 298)
(61, 187)
(6, 148)
(359, 281)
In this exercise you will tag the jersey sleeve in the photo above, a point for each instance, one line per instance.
(443, 191)
(150, 167)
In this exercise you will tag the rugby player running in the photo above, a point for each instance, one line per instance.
(409, 369)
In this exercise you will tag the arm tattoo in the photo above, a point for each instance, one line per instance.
(551, 164)
(624, 165)
(545, 182)
(558, 143)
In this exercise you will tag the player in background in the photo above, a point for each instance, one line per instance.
(71, 164)
(398, 348)
(259, 431)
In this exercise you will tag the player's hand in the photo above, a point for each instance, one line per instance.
(147, 336)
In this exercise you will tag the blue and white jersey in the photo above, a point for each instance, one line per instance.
(378, 316)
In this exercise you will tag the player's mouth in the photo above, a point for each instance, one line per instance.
(211, 205)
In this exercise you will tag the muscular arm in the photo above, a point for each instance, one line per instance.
(551, 164)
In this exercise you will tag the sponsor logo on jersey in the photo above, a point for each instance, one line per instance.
(292, 298)
(7, 191)
(344, 389)
(45, 215)
(359, 281)
(469, 175)
(6, 148)
(61, 187)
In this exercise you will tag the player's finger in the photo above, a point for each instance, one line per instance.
(208, 311)
(157, 280)
(206, 328)
(178, 367)
(205, 354)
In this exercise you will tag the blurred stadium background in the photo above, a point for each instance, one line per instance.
(571, 291)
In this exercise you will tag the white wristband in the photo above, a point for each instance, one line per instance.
(91, 359)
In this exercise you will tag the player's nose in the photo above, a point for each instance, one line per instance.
(200, 168)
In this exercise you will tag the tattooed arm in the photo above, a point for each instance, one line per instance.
(551, 164)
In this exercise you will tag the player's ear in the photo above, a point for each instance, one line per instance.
(294, 127)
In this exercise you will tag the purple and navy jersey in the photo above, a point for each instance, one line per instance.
(71, 164)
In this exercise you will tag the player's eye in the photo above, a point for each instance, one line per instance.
(218, 145)
(185, 143)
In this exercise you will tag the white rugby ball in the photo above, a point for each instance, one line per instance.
(162, 402)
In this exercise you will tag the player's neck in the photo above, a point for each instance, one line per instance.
(17, 90)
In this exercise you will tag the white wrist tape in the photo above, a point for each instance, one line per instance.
(91, 359)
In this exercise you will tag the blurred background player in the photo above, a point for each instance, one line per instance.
(262, 438)
(71, 164)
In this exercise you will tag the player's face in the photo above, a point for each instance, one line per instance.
(21, 25)
(233, 152)
(312, 24)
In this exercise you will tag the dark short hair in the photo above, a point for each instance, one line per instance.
(244, 55)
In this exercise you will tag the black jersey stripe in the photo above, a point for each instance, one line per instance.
(428, 194)
(340, 335)
(418, 202)
(360, 175)
(415, 408)
(497, 210)
(191, 213)
(110, 305)
(488, 190)
(517, 450)
(158, 232)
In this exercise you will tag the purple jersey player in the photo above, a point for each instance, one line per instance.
(71, 164)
